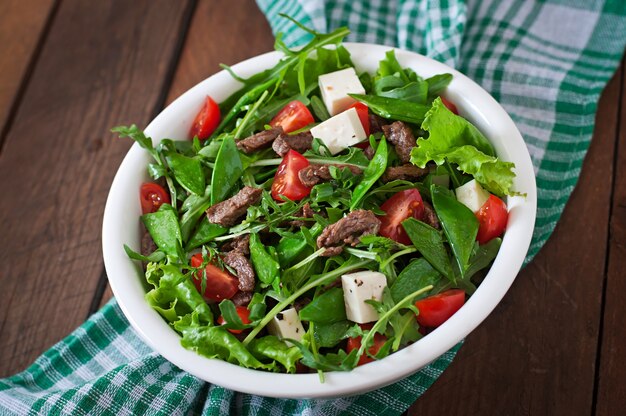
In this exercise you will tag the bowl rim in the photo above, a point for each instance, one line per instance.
(473, 102)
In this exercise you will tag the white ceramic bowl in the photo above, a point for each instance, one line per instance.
(121, 226)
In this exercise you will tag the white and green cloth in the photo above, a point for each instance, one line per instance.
(545, 61)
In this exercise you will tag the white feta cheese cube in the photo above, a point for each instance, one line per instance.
(359, 287)
(472, 195)
(341, 131)
(335, 87)
(286, 324)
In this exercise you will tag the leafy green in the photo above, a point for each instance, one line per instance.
(374, 170)
(227, 171)
(273, 348)
(482, 256)
(319, 109)
(325, 308)
(187, 172)
(429, 242)
(265, 264)
(437, 83)
(459, 225)
(134, 133)
(205, 232)
(418, 274)
(164, 229)
(329, 335)
(456, 140)
(393, 108)
(155, 256)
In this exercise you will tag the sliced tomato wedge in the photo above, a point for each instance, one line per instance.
(152, 196)
(355, 344)
(244, 315)
(286, 181)
(363, 112)
(399, 207)
(435, 310)
(450, 105)
(220, 284)
(206, 121)
(292, 117)
(492, 219)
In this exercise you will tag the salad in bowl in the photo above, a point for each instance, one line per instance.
(318, 211)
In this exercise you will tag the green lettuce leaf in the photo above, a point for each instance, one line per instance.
(273, 348)
(456, 140)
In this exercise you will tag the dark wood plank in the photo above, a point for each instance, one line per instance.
(103, 64)
(21, 26)
(611, 396)
(204, 51)
(536, 354)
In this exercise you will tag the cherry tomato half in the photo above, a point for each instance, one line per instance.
(152, 196)
(363, 112)
(492, 219)
(435, 310)
(355, 344)
(244, 315)
(450, 105)
(292, 117)
(286, 180)
(220, 284)
(206, 121)
(399, 207)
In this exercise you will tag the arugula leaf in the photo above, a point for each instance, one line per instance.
(437, 83)
(164, 230)
(153, 257)
(459, 225)
(456, 140)
(133, 132)
(329, 335)
(393, 108)
(273, 348)
(355, 157)
(418, 274)
(227, 171)
(429, 242)
(325, 308)
(374, 170)
(390, 66)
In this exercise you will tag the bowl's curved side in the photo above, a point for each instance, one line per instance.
(120, 227)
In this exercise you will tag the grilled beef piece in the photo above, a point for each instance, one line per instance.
(314, 174)
(245, 272)
(406, 172)
(241, 244)
(305, 212)
(401, 136)
(348, 230)
(369, 152)
(226, 213)
(242, 298)
(259, 141)
(376, 123)
(300, 142)
(430, 217)
(147, 245)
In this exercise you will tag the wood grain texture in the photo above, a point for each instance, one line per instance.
(103, 64)
(536, 353)
(611, 397)
(204, 50)
(22, 23)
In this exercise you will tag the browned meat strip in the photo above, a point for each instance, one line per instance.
(406, 172)
(147, 245)
(242, 298)
(245, 272)
(430, 217)
(314, 174)
(300, 142)
(240, 244)
(401, 136)
(305, 212)
(226, 213)
(369, 152)
(259, 141)
(376, 123)
(348, 230)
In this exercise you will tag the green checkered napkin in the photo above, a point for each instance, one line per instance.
(545, 62)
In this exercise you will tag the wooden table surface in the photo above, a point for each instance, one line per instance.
(71, 69)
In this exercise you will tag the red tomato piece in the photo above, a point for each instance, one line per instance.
(244, 315)
(206, 121)
(492, 219)
(399, 207)
(286, 180)
(450, 105)
(355, 344)
(435, 310)
(152, 196)
(292, 117)
(220, 284)
(363, 112)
